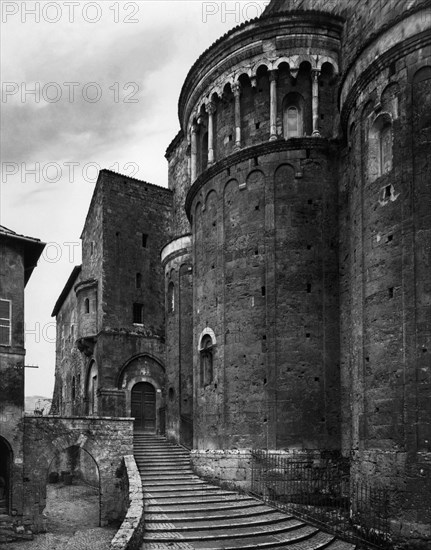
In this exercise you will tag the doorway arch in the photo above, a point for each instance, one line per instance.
(143, 407)
(73, 491)
(5, 475)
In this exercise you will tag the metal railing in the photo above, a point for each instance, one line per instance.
(321, 490)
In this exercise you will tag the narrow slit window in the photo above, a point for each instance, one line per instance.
(144, 240)
(206, 360)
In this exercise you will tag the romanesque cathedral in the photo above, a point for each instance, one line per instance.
(277, 295)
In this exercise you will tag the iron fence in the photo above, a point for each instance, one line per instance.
(320, 489)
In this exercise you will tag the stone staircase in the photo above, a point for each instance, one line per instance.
(182, 511)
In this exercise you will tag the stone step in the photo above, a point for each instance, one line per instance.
(224, 523)
(162, 477)
(318, 541)
(292, 530)
(178, 493)
(183, 511)
(195, 500)
(163, 464)
(199, 515)
(169, 470)
(208, 506)
(165, 479)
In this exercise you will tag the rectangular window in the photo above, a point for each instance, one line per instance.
(144, 240)
(5, 322)
(138, 314)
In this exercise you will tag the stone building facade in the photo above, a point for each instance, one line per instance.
(18, 257)
(295, 242)
(301, 179)
(110, 347)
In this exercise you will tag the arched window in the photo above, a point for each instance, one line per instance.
(206, 360)
(87, 305)
(293, 125)
(171, 297)
(380, 153)
(73, 389)
(292, 122)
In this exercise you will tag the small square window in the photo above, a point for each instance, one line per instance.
(138, 314)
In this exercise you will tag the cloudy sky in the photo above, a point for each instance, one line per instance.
(88, 85)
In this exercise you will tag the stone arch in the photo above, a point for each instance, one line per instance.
(143, 367)
(424, 73)
(106, 440)
(260, 64)
(306, 58)
(330, 60)
(389, 99)
(209, 197)
(120, 377)
(421, 99)
(283, 59)
(81, 465)
(6, 473)
(207, 331)
(255, 173)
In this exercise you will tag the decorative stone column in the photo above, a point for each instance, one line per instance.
(211, 109)
(315, 102)
(236, 89)
(273, 106)
(193, 152)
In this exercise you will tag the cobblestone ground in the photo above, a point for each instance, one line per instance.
(72, 520)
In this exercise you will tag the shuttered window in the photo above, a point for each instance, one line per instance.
(5, 322)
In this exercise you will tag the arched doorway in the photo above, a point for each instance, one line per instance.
(143, 407)
(5, 475)
(72, 492)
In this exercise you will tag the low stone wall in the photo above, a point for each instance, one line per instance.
(224, 467)
(129, 536)
(106, 440)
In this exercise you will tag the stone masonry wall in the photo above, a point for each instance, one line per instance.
(12, 361)
(385, 239)
(136, 227)
(106, 440)
(129, 535)
(265, 280)
(179, 349)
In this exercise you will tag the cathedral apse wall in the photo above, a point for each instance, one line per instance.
(385, 223)
(306, 185)
(261, 200)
